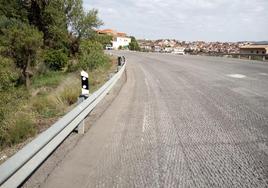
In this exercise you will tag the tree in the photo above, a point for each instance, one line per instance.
(49, 17)
(20, 41)
(55, 59)
(80, 23)
(133, 45)
(13, 9)
(56, 22)
(91, 55)
(103, 39)
(58, 26)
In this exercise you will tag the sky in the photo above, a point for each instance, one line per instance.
(189, 20)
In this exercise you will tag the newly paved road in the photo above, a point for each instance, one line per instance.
(179, 121)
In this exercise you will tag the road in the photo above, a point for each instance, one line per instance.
(179, 121)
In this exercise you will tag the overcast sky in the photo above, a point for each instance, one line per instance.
(208, 20)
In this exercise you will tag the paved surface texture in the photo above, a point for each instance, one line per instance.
(179, 121)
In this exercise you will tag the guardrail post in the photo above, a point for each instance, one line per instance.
(264, 58)
(249, 57)
(85, 93)
(119, 63)
(124, 59)
(81, 126)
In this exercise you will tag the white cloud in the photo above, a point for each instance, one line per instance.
(224, 20)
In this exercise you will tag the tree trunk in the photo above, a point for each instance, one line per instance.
(75, 46)
(27, 72)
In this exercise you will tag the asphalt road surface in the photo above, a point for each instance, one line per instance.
(179, 121)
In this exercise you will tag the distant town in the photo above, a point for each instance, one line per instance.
(121, 40)
(202, 47)
(195, 47)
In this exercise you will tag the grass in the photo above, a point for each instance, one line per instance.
(17, 127)
(69, 95)
(11, 118)
(45, 107)
(50, 79)
(22, 129)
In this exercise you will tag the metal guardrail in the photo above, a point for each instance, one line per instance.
(17, 168)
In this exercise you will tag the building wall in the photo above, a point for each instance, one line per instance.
(253, 51)
(180, 51)
(121, 41)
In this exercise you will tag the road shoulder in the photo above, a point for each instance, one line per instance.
(40, 175)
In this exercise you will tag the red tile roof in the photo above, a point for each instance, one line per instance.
(112, 32)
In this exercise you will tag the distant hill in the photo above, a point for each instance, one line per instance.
(261, 43)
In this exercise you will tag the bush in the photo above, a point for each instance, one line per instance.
(15, 124)
(41, 68)
(22, 129)
(16, 129)
(72, 65)
(134, 45)
(8, 74)
(10, 100)
(5, 107)
(55, 59)
(92, 55)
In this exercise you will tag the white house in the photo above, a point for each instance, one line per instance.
(168, 49)
(119, 38)
(120, 41)
(179, 51)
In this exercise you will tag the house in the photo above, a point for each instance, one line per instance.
(120, 39)
(179, 51)
(255, 48)
(146, 47)
(168, 49)
(157, 48)
(120, 42)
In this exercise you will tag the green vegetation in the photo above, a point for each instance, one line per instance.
(104, 40)
(133, 45)
(8, 74)
(21, 42)
(22, 127)
(91, 55)
(43, 43)
(55, 59)
(13, 116)
(51, 79)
